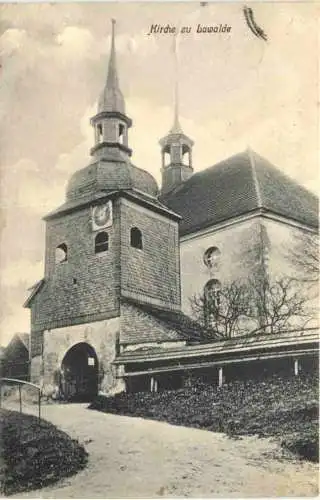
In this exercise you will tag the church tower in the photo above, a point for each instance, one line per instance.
(176, 153)
(112, 254)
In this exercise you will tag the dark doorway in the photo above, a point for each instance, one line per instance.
(79, 380)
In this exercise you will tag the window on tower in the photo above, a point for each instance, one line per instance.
(121, 133)
(185, 155)
(100, 132)
(61, 254)
(101, 242)
(136, 238)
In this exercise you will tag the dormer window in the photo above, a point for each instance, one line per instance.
(101, 242)
(136, 238)
(61, 254)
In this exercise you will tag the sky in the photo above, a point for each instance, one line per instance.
(236, 90)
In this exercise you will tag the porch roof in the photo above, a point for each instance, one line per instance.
(232, 348)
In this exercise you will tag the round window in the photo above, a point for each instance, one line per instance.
(211, 257)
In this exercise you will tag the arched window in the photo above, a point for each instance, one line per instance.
(61, 254)
(211, 257)
(212, 298)
(136, 238)
(101, 242)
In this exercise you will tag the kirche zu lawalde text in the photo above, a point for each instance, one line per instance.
(168, 29)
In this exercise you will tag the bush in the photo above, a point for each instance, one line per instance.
(270, 407)
(305, 445)
(35, 453)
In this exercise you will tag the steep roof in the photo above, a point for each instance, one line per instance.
(21, 337)
(34, 289)
(24, 337)
(238, 185)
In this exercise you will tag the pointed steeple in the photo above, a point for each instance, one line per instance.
(176, 128)
(111, 123)
(111, 98)
(176, 147)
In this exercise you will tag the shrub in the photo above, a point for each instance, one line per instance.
(35, 453)
(271, 407)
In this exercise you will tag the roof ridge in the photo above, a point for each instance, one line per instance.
(252, 161)
(287, 176)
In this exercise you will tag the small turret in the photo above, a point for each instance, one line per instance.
(176, 151)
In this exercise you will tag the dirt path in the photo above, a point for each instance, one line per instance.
(132, 457)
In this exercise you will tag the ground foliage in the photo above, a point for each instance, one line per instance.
(35, 453)
(283, 407)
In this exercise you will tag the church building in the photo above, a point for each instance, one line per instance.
(123, 259)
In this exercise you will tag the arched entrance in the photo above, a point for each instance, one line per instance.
(79, 378)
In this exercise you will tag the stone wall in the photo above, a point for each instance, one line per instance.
(36, 370)
(103, 336)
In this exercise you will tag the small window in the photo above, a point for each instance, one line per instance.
(61, 254)
(100, 132)
(121, 133)
(91, 361)
(101, 242)
(136, 238)
(211, 257)
(166, 158)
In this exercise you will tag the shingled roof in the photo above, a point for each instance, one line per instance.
(238, 185)
(184, 326)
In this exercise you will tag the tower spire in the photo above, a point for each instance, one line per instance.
(112, 78)
(111, 123)
(112, 97)
(176, 147)
(176, 129)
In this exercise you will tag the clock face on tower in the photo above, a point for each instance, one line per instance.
(101, 216)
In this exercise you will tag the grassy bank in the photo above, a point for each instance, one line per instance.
(35, 453)
(285, 408)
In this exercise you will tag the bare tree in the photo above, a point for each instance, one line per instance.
(304, 256)
(251, 308)
(222, 312)
(279, 305)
